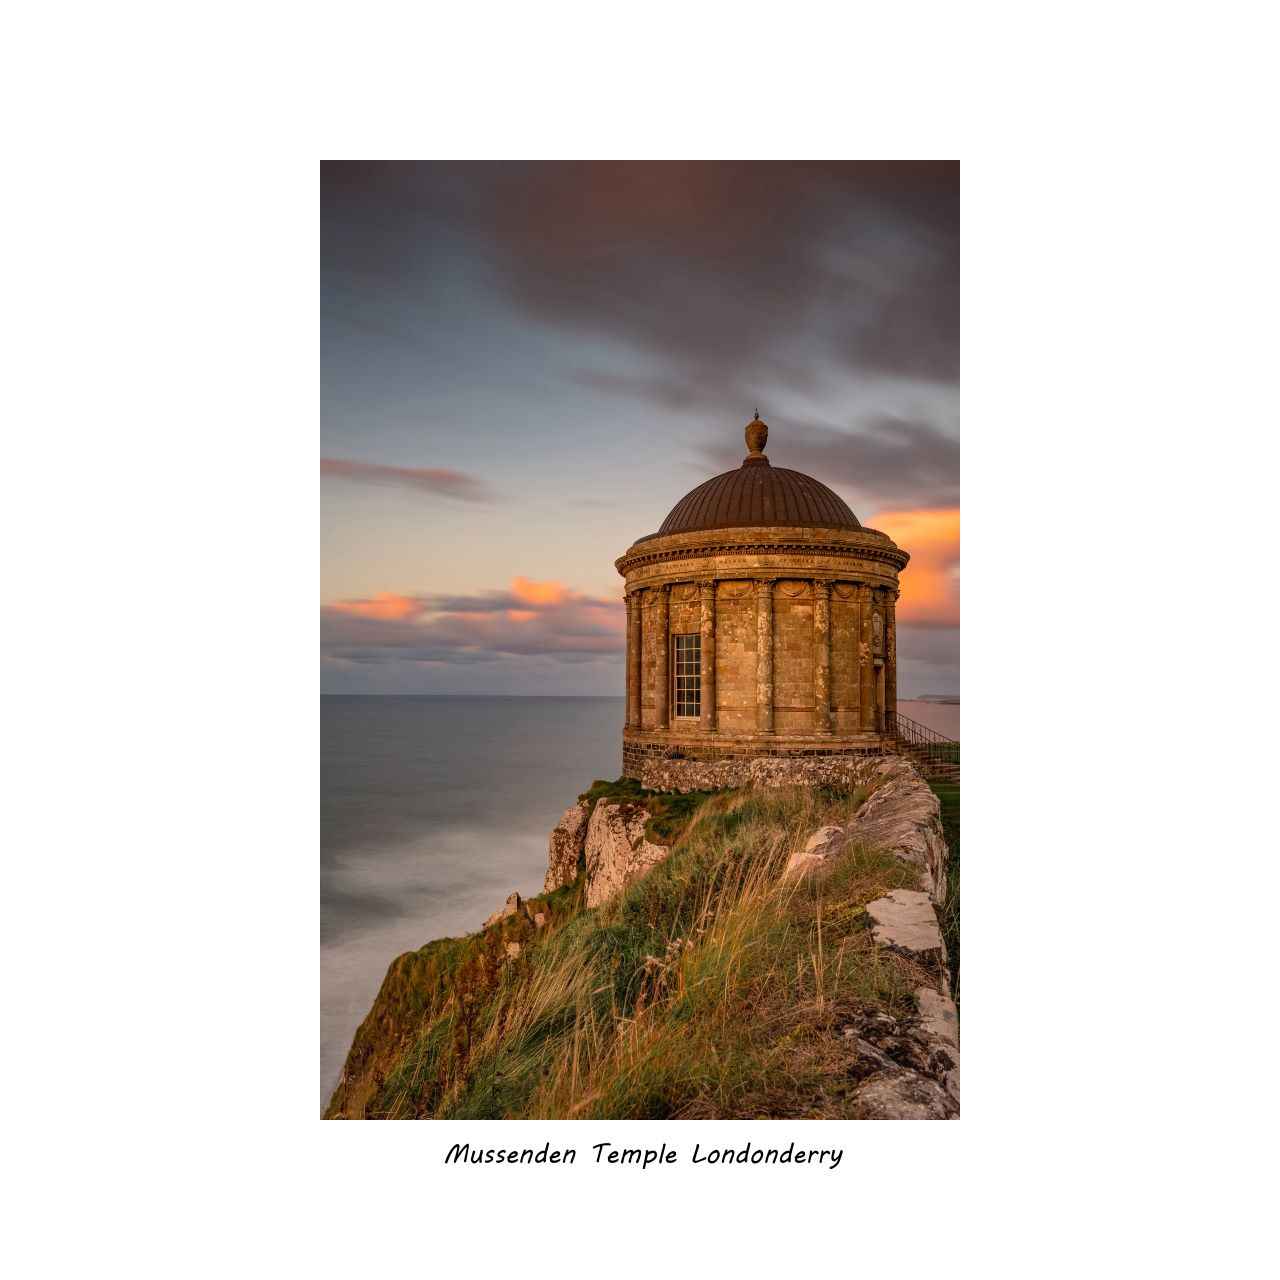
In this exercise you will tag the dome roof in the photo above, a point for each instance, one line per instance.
(758, 493)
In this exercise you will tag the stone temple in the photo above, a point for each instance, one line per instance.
(760, 623)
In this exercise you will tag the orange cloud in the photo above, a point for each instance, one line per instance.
(931, 581)
(521, 615)
(539, 592)
(385, 605)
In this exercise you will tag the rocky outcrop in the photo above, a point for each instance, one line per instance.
(566, 848)
(910, 1070)
(616, 849)
(901, 813)
(513, 904)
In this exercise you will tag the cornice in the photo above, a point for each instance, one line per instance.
(890, 555)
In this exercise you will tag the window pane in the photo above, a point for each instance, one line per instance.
(686, 671)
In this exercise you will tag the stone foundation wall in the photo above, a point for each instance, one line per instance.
(843, 769)
(678, 755)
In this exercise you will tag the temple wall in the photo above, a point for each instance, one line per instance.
(844, 662)
(736, 658)
(793, 695)
(744, 595)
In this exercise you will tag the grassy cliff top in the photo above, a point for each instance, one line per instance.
(710, 988)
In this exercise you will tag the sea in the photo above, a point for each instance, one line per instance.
(434, 809)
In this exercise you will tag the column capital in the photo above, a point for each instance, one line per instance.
(706, 584)
(821, 587)
(764, 585)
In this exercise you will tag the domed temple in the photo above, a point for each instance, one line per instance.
(760, 622)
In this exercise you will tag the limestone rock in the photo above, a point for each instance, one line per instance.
(513, 904)
(905, 1073)
(940, 1028)
(904, 1095)
(904, 920)
(820, 845)
(566, 848)
(938, 1015)
(616, 850)
(901, 814)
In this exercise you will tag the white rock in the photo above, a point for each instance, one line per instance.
(511, 906)
(904, 919)
(938, 1015)
(617, 851)
(565, 848)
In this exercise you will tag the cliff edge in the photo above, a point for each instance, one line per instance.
(768, 951)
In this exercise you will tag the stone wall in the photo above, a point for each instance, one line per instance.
(793, 653)
(735, 658)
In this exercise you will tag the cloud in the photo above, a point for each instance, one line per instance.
(539, 592)
(931, 581)
(532, 619)
(730, 273)
(448, 484)
(827, 292)
(889, 461)
(384, 605)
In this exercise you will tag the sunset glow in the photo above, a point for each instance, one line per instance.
(931, 581)
(526, 365)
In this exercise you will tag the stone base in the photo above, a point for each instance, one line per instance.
(845, 770)
(644, 749)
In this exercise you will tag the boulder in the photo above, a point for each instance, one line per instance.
(904, 1095)
(905, 921)
(617, 852)
(512, 905)
(566, 848)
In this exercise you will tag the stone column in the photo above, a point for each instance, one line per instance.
(633, 659)
(890, 662)
(866, 673)
(662, 629)
(764, 655)
(707, 590)
(821, 656)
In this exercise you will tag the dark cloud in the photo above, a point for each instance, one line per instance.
(434, 480)
(728, 272)
(890, 462)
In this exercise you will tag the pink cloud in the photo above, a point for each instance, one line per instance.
(531, 619)
(437, 480)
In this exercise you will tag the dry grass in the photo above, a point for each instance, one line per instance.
(711, 988)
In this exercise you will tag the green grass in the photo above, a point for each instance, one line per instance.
(948, 794)
(669, 811)
(711, 988)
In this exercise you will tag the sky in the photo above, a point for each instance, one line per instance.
(525, 366)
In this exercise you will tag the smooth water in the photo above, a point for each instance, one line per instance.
(433, 809)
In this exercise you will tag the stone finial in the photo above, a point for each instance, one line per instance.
(757, 434)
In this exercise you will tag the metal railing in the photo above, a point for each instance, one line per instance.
(937, 754)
